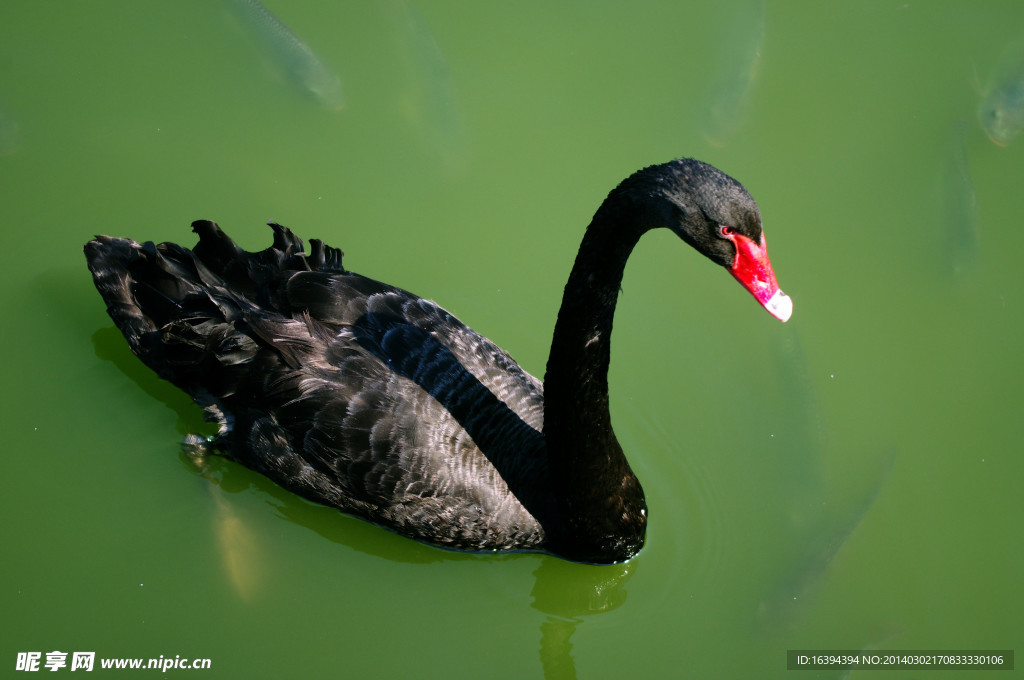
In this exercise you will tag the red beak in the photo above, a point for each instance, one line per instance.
(752, 268)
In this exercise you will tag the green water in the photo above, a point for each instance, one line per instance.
(849, 480)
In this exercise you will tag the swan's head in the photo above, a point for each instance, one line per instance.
(714, 213)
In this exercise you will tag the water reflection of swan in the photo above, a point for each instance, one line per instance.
(569, 594)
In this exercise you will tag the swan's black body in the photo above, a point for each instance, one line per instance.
(360, 395)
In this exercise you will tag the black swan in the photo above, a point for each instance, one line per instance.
(362, 396)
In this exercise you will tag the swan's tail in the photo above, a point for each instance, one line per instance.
(182, 309)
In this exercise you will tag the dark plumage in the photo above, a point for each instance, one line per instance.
(363, 396)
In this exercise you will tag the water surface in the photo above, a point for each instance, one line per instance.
(850, 479)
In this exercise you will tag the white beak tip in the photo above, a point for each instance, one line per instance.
(780, 306)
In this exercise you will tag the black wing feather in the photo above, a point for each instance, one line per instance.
(345, 390)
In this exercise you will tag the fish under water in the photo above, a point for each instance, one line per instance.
(1001, 111)
(738, 62)
(819, 546)
(289, 53)
(237, 545)
(959, 203)
(429, 98)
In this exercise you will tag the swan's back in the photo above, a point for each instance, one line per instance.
(347, 391)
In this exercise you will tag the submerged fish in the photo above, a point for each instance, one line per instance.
(819, 547)
(429, 98)
(738, 61)
(237, 545)
(1001, 112)
(289, 53)
(959, 205)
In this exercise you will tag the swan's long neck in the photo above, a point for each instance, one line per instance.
(602, 503)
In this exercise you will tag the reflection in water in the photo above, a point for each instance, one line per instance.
(556, 647)
(289, 54)
(737, 63)
(429, 99)
(1001, 111)
(570, 593)
(959, 205)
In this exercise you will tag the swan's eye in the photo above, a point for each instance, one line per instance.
(725, 231)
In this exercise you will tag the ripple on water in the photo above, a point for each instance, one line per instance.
(687, 518)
